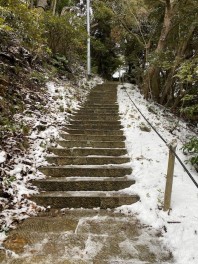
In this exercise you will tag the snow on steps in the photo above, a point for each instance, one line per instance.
(91, 160)
(77, 180)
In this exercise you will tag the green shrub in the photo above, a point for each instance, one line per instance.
(192, 148)
(66, 35)
(24, 22)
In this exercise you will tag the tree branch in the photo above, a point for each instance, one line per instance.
(128, 30)
(138, 23)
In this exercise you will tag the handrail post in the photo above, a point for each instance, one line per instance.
(169, 177)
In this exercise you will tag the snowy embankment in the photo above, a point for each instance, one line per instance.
(149, 156)
(62, 98)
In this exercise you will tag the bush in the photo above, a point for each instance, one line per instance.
(66, 35)
(188, 78)
(24, 22)
(192, 148)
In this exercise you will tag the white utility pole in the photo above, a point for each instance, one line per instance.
(88, 41)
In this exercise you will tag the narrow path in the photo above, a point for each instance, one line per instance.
(89, 169)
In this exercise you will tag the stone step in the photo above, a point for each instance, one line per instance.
(80, 160)
(98, 126)
(102, 108)
(83, 199)
(92, 137)
(95, 122)
(103, 94)
(55, 222)
(89, 143)
(94, 108)
(106, 99)
(101, 105)
(104, 89)
(98, 132)
(96, 112)
(100, 93)
(95, 117)
(94, 126)
(88, 151)
(83, 184)
(101, 102)
(86, 171)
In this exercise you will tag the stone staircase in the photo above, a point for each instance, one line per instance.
(89, 170)
(90, 167)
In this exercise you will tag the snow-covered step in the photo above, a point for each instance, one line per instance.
(89, 143)
(99, 236)
(83, 184)
(93, 131)
(96, 117)
(101, 101)
(80, 160)
(94, 110)
(107, 99)
(101, 122)
(100, 106)
(93, 125)
(87, 170)
(108, 95)
(88, 151)
(104, 95)
(92, 137)
(85, 199)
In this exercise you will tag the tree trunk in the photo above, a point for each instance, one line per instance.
(151, 83)
(166, 27)
(179, 58)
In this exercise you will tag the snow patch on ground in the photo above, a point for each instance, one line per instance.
(2, 156)
(149, 156)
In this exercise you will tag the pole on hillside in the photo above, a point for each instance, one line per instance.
(169, 177)
(88, 41)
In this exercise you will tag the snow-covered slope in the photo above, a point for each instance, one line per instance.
(61, 98)
(149, 158)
